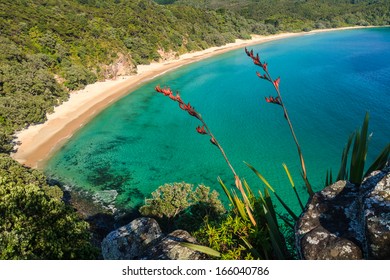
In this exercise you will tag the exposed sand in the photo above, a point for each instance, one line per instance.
(37, 143)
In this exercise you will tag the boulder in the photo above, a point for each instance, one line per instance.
(344, 221)
(131, 242)
(142, 239)
(169, 248)
(376, 190)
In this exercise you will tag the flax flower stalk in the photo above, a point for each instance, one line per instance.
(279, 101)
(204, 129)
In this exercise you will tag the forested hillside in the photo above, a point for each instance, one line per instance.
(296, 15)
(49, 47)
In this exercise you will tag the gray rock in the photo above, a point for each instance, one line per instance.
(326, 227)
(376, 190)
(143, 239)
(169, 248)
(132, 241)
(320, 244)
(344, 221)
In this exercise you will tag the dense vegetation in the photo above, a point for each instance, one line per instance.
(48, 47)
(179, 205)
(298, 15)
(35, 223)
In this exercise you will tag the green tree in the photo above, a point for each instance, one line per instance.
(35, 223)
(77, 77)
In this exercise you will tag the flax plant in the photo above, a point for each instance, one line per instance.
(259, 212)
(264, 238)
(204, 130)
(355, 174)
(279, 101)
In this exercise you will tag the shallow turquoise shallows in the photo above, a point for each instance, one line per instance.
(328, 82)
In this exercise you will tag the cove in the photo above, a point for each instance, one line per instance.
(328, 82)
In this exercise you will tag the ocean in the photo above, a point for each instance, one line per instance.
(328, 82)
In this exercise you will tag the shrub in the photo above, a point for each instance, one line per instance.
(77, 77)
(36, 223)
(179, 205)
(227, 237)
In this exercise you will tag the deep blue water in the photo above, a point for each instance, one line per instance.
(328, 82)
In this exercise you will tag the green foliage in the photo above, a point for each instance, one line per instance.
(288, 15)
(201, 248)
(77, 77)
(359, 153)
(178, 204)
(168, 201)
(27, 90)
(36, 224)
(164, 2)
(267, 229)
(21, 175)
(237, 238)
(87, 32)
(5, 139)
(227, 237)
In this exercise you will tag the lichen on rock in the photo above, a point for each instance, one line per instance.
(344, 221)
(142, 239)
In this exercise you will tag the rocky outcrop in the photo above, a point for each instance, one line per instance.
(130, 242)
(376, 190)
(142, 239)
(169, 248)
(122, 66)
(344, 221)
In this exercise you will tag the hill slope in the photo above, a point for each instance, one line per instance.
(294, 15)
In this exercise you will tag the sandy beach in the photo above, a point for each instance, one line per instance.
(37, 143)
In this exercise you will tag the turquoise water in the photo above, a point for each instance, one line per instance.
(328, 82)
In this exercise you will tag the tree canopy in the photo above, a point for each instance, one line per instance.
(298, 15)
(35, 223)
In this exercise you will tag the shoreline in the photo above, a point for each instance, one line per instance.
(37, 143)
